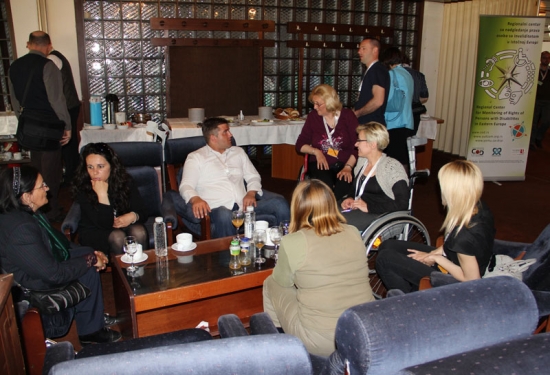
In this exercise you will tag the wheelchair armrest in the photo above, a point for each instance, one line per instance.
(70, 225)
(60, 352)
(261, 324)
(230, 325)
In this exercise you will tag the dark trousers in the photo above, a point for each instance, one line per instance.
(397, 270)
(49, 165)
(71, 156)
(89, 313)
(397, 148)
(339, 187)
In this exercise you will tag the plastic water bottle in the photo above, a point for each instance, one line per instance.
(159, 230)
(249, 221)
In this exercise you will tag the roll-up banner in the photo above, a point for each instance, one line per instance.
(508, 57)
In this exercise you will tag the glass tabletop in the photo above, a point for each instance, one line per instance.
(176, 270)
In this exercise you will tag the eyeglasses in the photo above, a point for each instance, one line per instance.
(42, 186)
(363, 140)
(315, 104)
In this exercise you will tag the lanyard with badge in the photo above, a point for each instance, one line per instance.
(331, 151)
(369, 175)
(543, 76)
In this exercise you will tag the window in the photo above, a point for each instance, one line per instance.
(121, 60)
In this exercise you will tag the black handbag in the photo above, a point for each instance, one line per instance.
(58, 299)
(38, 130)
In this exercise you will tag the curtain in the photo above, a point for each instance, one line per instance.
(456, 71)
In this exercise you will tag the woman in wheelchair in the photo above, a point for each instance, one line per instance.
(329, 136)
(382, 184)
(111, 205)
(41, 258)
(321, 270)
(469, 235)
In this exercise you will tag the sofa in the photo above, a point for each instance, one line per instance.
(463, 320)
(277, 354)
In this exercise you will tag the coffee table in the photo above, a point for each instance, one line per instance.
(166, 294)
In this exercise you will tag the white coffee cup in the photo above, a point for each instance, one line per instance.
(262, 224)
(8, 155)
(17, 156)
(184, 240)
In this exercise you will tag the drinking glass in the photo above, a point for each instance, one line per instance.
(275, 234)
(285, 227)
(130, 248)
(259, 237)
(237, 219)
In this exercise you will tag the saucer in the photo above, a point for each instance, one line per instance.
(175, 247)
(128, 259)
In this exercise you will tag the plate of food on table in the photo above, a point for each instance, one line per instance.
(264, 121)
(286, 113)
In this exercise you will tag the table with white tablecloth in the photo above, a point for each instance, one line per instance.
(281, 134)
(92, 134)
(245, 132)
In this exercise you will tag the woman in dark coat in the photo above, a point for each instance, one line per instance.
(41, 258)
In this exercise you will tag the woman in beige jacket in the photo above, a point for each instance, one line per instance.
(322, 270)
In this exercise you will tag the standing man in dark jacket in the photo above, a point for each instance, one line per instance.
(45, 94)
(69, 152)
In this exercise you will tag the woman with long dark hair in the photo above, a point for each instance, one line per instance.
(41, 258)
(110, 203)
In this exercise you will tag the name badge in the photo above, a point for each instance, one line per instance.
(332, 152)
(540, 83)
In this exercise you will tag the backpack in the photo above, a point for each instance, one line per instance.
(396, 98)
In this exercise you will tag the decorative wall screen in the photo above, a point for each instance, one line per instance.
(120, 59)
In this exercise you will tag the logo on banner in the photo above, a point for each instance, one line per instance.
(508, 75)
(517, 151)
(517, 131)
(497, 151)
(477, 151)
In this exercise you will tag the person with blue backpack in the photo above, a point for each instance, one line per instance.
(398, 115)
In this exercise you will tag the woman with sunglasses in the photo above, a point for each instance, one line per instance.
(41, 258)
(381, 185)
(110, 203)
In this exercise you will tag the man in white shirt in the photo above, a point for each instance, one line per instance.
(213, 182)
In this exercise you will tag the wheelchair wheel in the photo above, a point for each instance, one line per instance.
(403, 229)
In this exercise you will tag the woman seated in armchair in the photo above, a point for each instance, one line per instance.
(381, 185)
(321, 270)
(111, 205)
(41, 258)
(469, 235)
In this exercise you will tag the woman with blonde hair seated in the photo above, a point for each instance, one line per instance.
(381, 185)
(321, 271)
(469, 235)
(329, 137)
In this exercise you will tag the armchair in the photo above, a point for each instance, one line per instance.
(142, 161)
(268, 355)
(176, 152)
(536, 277)
(390, 335)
